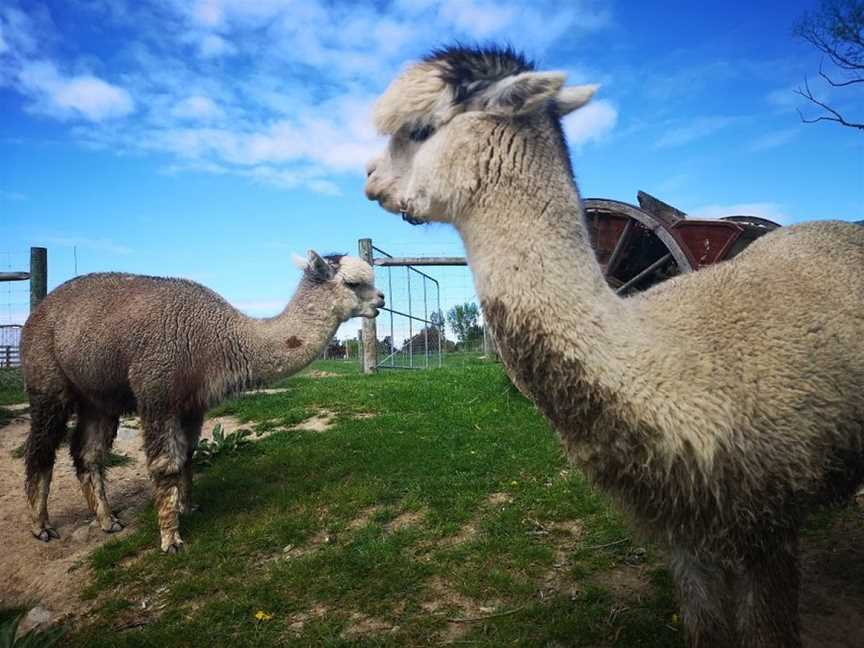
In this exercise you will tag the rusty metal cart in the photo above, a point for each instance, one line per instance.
(638, 247)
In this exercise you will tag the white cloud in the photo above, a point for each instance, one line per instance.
(279, 91)
(78, 96)
(773, 140)
(478, 19)
(770, 210)
(208, 12)
(696, 129)
(213, 45)
(591, 122)
(197, 107)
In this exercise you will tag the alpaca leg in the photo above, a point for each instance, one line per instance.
(703, 594)
(48, 416)
(766, 596)
(166, 449)
(192, 430)
(89, 448)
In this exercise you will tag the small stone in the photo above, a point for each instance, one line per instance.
(287, 548)
(82, 533)
(36, 617)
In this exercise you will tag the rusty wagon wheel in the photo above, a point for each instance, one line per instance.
(635, 248)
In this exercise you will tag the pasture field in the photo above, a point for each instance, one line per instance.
(438, 507)
(432, 507)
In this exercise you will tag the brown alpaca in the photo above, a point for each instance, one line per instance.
(105, 344)
(717, 408)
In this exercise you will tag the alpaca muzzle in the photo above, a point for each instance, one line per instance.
(411, 220)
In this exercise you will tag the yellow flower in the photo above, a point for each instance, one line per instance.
(261, 615)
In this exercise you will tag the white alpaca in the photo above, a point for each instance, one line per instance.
(717, 408)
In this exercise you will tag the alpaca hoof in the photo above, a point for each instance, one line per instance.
(175, 547)
(113, 527)
(46, 534)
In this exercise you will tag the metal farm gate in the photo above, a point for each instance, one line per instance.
(10, 345)
(10, 334)
(418, 309)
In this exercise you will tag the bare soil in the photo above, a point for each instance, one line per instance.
(53, 573)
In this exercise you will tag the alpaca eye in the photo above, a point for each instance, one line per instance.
(420, 134)
(352, 284)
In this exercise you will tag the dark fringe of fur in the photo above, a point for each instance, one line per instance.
(470, 70)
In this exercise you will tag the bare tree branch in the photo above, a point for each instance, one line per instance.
(837, 117)
(837, 30)
(839, 84)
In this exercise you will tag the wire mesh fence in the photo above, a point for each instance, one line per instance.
(413, 324)
(14, 295)
(432, 317)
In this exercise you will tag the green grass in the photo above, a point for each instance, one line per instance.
(12, 387)
(437, 495)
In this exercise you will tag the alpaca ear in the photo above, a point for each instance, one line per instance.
(522, 94)
(318, 266)
(570, 98)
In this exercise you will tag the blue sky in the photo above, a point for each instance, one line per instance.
(211, 139)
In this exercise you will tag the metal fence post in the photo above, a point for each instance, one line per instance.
(370, 330)
(38, 275)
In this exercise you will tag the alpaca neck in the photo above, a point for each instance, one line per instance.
(565, 337)
(294, 338)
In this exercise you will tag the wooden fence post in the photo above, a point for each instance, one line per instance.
(38, 276)
(370, 329)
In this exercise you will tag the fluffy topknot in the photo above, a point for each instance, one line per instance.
(469, 70)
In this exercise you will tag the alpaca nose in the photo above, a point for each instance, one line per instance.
(381, 301)
(370, 167)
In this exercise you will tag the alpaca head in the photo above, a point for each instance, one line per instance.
(348, 283)
(448, 117)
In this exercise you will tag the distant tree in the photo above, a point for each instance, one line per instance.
(352, 347)
(837, 30)
(463, 318)
(385, 347)
(417, 344)
(335, 350)
(437, 318)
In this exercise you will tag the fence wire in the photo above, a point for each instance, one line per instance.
(413, 325)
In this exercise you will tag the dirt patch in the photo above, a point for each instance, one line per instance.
(625, 582)
(456, 608)
(465, 534)
(273, 390)
(360, 625)
(405, 520)
(321, 422)
(363, 518)
(298, 620)
(317, 373)
(565, 535)
(499, 499)
(55, 573)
